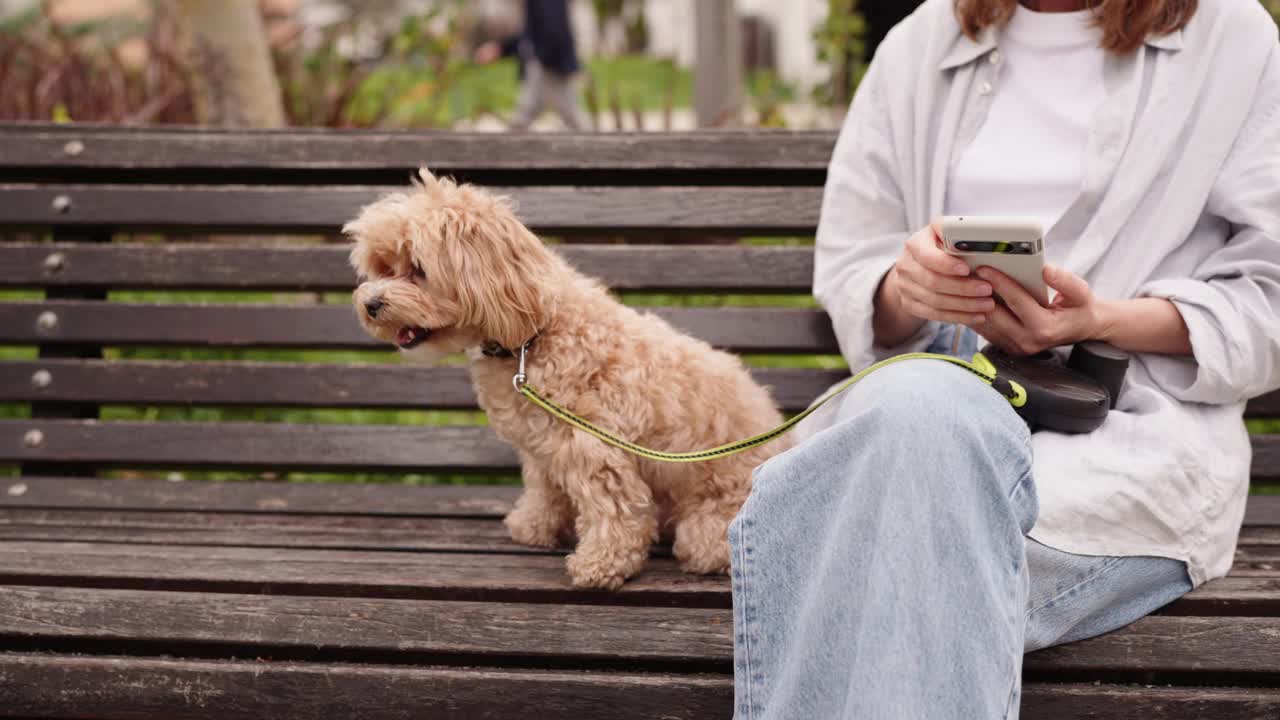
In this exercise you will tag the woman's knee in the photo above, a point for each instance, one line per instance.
(907, 420)
(924, 403)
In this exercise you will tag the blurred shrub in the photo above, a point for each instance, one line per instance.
(410, 85)
(840, 41)
(768, 92)
(420, 77)
(90, 71)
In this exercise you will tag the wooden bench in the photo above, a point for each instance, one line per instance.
(123, 595)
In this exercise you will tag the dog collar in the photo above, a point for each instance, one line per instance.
(494, 349)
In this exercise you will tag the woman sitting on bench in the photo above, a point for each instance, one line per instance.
(900, 561)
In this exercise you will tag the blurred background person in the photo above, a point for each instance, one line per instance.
(549, 67)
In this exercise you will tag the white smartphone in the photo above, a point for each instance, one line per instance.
(1012, 245)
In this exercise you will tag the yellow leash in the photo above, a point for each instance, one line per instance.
(980, 367)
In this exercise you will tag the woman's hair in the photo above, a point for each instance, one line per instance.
(1125, 23)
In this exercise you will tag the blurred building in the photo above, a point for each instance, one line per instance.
(783, 30)
(776, 34)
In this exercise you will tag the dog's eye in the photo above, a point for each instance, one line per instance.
(418, 273)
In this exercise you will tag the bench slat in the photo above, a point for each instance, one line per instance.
(112, 687)
(437, 576)
(329, 447)
(1258, 554)
(1091, 702)
(317, 152)
(363, 385)
(368, 385)
(336, 327)
(265, 445)
(324, 209)
(325, 267)
(305, 627)
(497, 577)
(1172, 648)
(339, 532)
(1267, 406)
(534, 635)
(478, 501)
(119, 688)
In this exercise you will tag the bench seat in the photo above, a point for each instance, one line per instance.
(250, 599)
(132, 359)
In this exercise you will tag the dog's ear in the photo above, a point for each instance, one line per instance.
(501, 273)
(380, 225)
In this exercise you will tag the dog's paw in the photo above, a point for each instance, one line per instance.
(702, 545)
(588, 571)
(532, 530)
(706, 565)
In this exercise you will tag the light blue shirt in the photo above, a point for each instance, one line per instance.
(1180, 199)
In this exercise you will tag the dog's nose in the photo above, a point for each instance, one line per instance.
(373, 306)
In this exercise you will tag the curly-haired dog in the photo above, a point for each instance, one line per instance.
(448, 268)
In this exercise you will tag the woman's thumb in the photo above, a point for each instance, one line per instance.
(1072, 289)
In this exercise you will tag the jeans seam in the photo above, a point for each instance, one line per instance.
(1013, 693)
(748, 706)
(1093, 574)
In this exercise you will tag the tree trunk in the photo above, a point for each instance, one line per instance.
(233, 80)
(718, 75)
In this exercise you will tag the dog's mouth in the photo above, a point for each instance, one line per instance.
(411, 337)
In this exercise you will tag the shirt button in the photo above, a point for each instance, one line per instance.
(994, 57)
(984, 88)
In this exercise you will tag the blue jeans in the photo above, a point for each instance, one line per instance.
(881, 569)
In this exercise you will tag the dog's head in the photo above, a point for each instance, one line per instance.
(444, 267)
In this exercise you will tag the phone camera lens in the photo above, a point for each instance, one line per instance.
(962, 246)
(1025, 246)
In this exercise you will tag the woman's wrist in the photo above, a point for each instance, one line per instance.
(891, 324)
(1104, 321)
(1141, 325)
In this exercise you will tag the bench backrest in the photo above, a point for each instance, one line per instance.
(97, 297)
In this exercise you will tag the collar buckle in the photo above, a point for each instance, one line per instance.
(518, 380)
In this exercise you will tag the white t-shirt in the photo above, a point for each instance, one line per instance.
(1028, 157)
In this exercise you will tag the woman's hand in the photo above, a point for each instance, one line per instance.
(1023, 326)
(927, 284)
(487, 53)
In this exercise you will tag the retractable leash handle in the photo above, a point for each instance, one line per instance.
(1071, 397)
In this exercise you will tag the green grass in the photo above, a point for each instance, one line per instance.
(18, 352)
(14, 411)
(1263, 427)
(21, 295)
(641, 82)
(470, 91)
(646, 299)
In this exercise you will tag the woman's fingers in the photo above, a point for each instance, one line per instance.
(945, 284)
(927, 312)
(1003, 329)
(933, 285)
(923, 248)
(949, 303)
(1016, 297)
